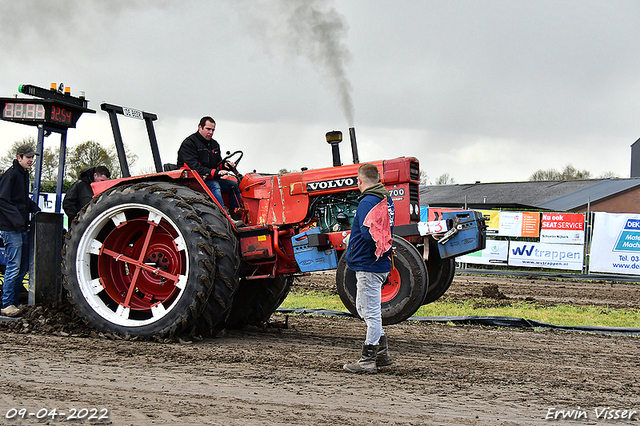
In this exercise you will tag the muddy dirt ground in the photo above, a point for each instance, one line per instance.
(291, 372)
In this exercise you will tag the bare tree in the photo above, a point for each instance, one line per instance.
(571, 173)
(444, 179)
(608, 175)
(545, 175)
(424, 179)
(50, 161)
(568, 173)
(91, 154)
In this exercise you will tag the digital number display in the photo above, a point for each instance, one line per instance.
(36, 112)
(24, 111)
(60, 115)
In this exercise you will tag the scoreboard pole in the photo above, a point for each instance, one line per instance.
(61, 163)
(35, 196)
(43, 132)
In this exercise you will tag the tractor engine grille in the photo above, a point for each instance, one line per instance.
(414, 201)
(414, 171)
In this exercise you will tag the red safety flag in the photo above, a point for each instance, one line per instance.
(379, 224)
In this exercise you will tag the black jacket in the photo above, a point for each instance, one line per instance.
(15, 204)
(200, 155)
(80, 193)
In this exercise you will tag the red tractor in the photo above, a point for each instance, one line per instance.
(155, 255)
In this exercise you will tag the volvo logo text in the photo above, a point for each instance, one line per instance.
(333, 183)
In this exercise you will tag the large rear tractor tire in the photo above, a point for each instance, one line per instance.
(139, 261)
(403, 291)
(257, 299)
(227, 262)
(441, 273)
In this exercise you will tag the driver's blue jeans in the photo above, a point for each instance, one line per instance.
(16, 251)
(219, 186)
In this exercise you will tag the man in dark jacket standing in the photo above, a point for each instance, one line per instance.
(369, 255)
(201, 153)
(15, 206)
(80, 193)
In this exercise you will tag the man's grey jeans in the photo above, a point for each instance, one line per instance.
(368, 299)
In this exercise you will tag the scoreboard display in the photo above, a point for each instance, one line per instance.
(42, 111)
(55, 110)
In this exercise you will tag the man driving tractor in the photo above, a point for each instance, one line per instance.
(201, 153)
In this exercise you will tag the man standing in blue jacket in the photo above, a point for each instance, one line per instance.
(369, 255)
(15, 207)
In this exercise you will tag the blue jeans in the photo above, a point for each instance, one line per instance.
(218, 186)
(16, 250)
(368, 303)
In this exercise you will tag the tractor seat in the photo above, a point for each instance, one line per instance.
(169, 167)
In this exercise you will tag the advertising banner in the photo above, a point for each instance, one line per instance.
(539, 255)
(495, 253)
(519, 224)
(615, 246)
(492, 220)
(564, 228)
(531, 224)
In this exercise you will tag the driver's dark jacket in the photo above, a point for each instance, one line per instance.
(200, 155)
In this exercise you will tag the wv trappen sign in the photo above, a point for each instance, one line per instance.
(540, 255)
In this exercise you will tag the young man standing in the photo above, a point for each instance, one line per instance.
(15, 206)
(80, 193)
(369, 255)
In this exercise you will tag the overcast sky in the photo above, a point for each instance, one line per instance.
(486, 91)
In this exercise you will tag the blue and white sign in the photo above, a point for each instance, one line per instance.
(542, 255)
(615, 246)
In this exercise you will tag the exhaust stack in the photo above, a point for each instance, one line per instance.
(354, 146)
(334, 138)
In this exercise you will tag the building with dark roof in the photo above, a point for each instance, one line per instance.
(605, 195)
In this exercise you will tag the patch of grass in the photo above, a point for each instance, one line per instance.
(313, 300)
(558, 315)
(568, 315)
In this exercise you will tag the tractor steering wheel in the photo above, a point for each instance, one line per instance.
(226, 161)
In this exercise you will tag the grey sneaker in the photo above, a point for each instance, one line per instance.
(10, 311)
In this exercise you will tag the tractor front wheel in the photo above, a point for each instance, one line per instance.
(441, 273)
